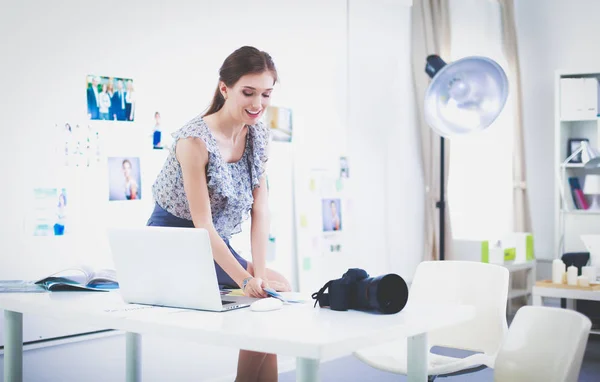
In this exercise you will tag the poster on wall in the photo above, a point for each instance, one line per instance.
(79, 144)
(49, 212)
(321, 213)
(110, 98)
(157, 135)
(124, 178)
(344, 169)
(279, 120)
(332, 224)
(332, 215)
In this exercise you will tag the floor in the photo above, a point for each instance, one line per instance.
(351, 369)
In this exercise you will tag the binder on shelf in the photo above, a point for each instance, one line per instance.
(579, 199)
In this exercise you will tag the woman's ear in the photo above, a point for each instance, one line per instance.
(223, 89)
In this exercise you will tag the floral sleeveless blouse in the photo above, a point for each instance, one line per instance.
(230, 185)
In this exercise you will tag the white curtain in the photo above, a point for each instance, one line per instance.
(521, 212)
(430, 35)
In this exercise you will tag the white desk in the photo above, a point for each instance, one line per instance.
(308, 333)
(571, 296)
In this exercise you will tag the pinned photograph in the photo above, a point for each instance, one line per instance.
(110, 98)
(279, 120)
(332, 215)
(80, 144)
(50, 211)
(157, 133)
(344, 171)
(124, 178)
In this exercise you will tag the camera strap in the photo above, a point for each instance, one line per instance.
(317, 295)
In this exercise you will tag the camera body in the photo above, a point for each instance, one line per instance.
(356, 290)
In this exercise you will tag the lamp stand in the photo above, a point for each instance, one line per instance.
(441, 204)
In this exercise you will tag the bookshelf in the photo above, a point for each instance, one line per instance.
(576, 117)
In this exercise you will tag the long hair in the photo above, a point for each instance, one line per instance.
(245, 60)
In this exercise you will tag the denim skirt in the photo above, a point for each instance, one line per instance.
(162, 218)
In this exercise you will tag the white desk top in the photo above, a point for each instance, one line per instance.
(576, 294)
(296, 330)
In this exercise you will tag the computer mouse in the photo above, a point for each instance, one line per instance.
(266, 304)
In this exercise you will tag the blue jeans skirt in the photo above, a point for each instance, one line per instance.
(162, 218)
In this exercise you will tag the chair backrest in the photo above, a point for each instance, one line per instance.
(543, 344)
(484, 286)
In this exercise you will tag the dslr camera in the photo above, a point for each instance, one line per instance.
(387, 294)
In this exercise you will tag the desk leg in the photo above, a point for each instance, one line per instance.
(537, 300)
(13, 350)
(417, 358)
(307, 370)
(133, 350)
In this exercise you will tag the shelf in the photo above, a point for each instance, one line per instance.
(519, 266)
(514, 293)
(581, 212)
(581, 120)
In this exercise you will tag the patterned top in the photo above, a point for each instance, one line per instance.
(230, 185)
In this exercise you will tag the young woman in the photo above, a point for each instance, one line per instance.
(214, 178)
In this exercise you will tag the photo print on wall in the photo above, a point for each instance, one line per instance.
(332, 215)
(157, 132)
(110, 98)
(124, 178)
(80, 144)
(49, 211)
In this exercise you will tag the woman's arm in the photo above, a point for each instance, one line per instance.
(193, 158)
(259, 231)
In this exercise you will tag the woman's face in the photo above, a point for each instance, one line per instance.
(104, 87)
(249, 97)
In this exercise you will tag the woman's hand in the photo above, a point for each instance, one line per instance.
(254, 288)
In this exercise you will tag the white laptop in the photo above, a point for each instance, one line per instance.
(168, 266)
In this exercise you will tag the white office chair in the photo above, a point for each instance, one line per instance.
(484, 286)
(543, 344)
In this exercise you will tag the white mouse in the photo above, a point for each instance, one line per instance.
(266, 304)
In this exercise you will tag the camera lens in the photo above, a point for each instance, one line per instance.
(387, 293)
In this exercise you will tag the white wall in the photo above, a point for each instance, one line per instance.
(552, 35)
(383, 134)
(349, 97)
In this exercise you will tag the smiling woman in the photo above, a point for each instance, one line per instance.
(214, 179)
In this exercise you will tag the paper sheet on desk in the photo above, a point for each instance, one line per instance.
(285, 297)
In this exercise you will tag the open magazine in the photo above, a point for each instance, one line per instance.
(81, 278)
(72, 279)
